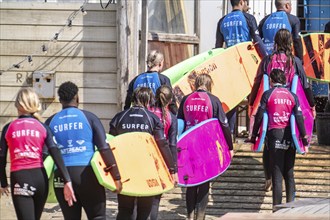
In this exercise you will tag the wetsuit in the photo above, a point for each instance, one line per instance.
(139, 119)
(196, 108)
(152, 80)
(280, 103)
(171, 132)
(238, 27)
(77, 133)
(266, 66)
(25, 138)
(234, 28)
(270, 24)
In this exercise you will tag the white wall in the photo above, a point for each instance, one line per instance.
(211, 11)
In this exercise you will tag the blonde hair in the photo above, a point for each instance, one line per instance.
(154, 58)
(27, 102)
(204, 81)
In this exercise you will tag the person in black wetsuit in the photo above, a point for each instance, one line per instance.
(139, 119)
(282, 18)
(25, 138)
(280, 103)
(197, 196)
(281, 58)
(237, 27)
(78, 132)
(151, 79)
(164, 96)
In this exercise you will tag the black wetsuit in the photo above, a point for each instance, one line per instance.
(25, 138)
(139, 119)
(171, 133)
(78, 132)
(195, 108)
(280, 103)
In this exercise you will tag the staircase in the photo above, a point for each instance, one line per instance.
(240, 189)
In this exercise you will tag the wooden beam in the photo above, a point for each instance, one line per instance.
(144, 38)
(127, 49)
(174, 38)
(197, 25)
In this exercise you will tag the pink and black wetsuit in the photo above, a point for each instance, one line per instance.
(280, 103)
(25, 138)
(195, 108)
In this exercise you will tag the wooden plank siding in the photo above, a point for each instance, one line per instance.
(85, 54)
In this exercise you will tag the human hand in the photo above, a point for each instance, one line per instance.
(175, 179)
(231, 153)
(4, 190)
(314, 112)
(119, 186)
(69, 194)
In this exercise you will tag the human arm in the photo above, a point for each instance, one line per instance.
(158, 133)
(259, 115)
(219, 39)
(3, 161)
(129, 94)
(219, 113)
(254, 33)
(299, 120)
(297, 44)
(257, 80)
(58, 160)
(303, 79)
(99, 140)
(172, 140)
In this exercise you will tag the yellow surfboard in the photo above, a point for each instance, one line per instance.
(233, 71)
(141, 165)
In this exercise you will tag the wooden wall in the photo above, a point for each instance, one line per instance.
(84, 54)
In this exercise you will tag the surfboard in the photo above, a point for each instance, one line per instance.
(316, 56)
(232, 70)
(297, 88)
(176, 72)
(49, 167)
(140, 163)
(203, 154)
(264, 86)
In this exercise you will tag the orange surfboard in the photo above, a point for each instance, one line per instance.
(233, 71)
(140, 163)
(316, 55)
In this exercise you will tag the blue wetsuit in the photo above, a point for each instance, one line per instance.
(237, 27)
(77, 133)
(270, 24)
(152, 80)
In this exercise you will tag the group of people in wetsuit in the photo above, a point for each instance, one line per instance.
(71, 134)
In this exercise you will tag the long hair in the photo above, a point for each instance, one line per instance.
(283, 43)
(204, 81)
(164, 96)
(27, 102)
(154, 58)
(142, 96)
(277, 76)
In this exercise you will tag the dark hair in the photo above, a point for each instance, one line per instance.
(283, 43)
(277, 76)
(67, 91)
(204, 80)
(164, 96)
(234, 2)
(142, 96)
